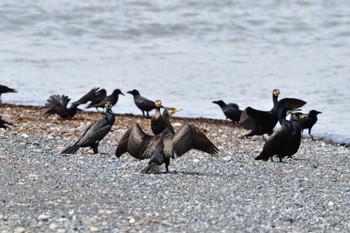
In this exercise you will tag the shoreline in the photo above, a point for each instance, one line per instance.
(195, 120)
(45, 191)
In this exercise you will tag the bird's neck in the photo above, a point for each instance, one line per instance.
(110, 116)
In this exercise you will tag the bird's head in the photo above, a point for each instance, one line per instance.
(117, 92)
(158, 103)
(276, 92)
(108, 105)
(219, 102)
(134, 92)
(315, 112)
(170, 111)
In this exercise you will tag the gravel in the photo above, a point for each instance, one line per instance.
(44, 191)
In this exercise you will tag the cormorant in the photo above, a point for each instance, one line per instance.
(285, 141)
(263, 122)
(161, 121)
(94, 133)
(161, 147)
(145, 105)
(113, 99)
(4, 124)
(308, 120)
(57, 104)
(231, 111)
(5, 89)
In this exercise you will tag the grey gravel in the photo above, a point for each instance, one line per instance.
(43, 191)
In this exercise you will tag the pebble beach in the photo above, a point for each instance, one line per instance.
(42, 190)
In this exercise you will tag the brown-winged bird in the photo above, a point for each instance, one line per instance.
(94, 133)
(161, 147)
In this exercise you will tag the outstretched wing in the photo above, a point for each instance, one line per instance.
(291, 103)
(87, 97)
(190, 137)
(100, 95)
(134, 141)
(251, 117)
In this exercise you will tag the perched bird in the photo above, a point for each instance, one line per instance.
(285, 141)
(161, 147)
(161, 121)
(308, 120)
(5, 89)
(263, 122)
(231, 111)
(4, 124)
(57, 104)
(113, 99)
(94, 133)
(145, 105)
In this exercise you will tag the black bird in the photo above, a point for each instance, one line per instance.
(100, 95)
(113, 99)
(263, 122)
(161, 121)
(57, 104)
(145, 105)
(231, 110)
(308, 120)
(94, 133)
(5, 89)
(4, 124)
(285, 141)
(161, 147)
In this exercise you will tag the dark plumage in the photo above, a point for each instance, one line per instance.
(94, 133)
(100, 95)
(4, 124)
(113, 99)
(285, 141)
(5, 89)
(308, 120)
(263, 122)
(231, 111)
(161, 147)
(145, 105)
(159, 121)
(57, 104)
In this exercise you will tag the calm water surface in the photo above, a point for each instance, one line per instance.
(185, 53)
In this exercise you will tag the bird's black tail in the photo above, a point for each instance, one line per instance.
(71, 149)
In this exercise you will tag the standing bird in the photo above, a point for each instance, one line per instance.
(285, 141)
(160, 122)
(113, 99)
(308, 120)
(231, 111)
(94, 133)
(4, 124)
(263, 122)
(145, 105)
(57, 104)
(161, 147)
(5, 89)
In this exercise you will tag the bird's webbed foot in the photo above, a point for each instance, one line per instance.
(152, 168)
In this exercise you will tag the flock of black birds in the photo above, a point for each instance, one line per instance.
(165, 143)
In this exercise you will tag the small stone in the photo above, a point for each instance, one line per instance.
(132, 220)
(53, 226)
(93, 229)
(32, 176)
(20, 230)
(196, 160)
(43, 217)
